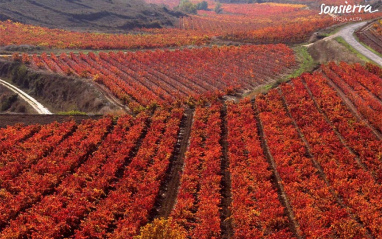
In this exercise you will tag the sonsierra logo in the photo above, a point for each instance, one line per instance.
(346, 9)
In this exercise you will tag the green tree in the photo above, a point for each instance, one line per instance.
(218, 8)
(202, 5)
(187, 6)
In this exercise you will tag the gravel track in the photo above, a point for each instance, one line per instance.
(39, 108)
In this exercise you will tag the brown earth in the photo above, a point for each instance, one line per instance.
(59, 93)
(10, 103)
(85, 15)
(166, 198)
(324, 51)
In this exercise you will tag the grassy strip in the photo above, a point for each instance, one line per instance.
(307, 64)
(351, 49)
(73, 112)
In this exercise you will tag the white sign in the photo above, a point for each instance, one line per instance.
(326, 9)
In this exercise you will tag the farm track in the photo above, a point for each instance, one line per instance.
(110, 97)
(226, 191)
(294, 227)
(168, 192)
(38, 107)
(347, 33)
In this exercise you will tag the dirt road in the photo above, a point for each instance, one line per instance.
(40, 109)
(347, 33)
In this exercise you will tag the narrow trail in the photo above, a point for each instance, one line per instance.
(39, 108)
(225, 213)
(169, 189)
(295, 228)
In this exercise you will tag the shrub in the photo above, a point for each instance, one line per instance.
(202, 5)
(218, 8)
(162, 229)
(188, 7)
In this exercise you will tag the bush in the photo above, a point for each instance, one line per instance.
(187, 6)
(218, 8)
(202, 5)
(8, 101)
(162, 229)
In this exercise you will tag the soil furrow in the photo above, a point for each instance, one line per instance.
(226, 221)
(317, 165)
(340, 137)
(169, 189)
(352, 107)
(277, 179)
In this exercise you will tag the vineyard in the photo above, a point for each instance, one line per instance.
(13, 33)
(259, 23)
(263, 23)
(248, 23)
(252, 23)
(252, 169)
(146, 78)
(371, 35)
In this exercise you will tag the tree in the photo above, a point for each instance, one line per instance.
(187, 6)
(218, 8)
(202, 5)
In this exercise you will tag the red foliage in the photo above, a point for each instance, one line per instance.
(24, 155)
(354, 184)
(29, 187)
(80, 192)
(92, 181)
(127, 207)
(358, 136)
(19, 34)
(349, 82)
(197, 207)
(316, 209)
(164, 77)
(256, 209)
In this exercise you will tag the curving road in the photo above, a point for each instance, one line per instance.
(34, 103)
(347, 33)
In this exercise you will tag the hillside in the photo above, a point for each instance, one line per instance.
(272, 167)
(11, 103)
(99, 15)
